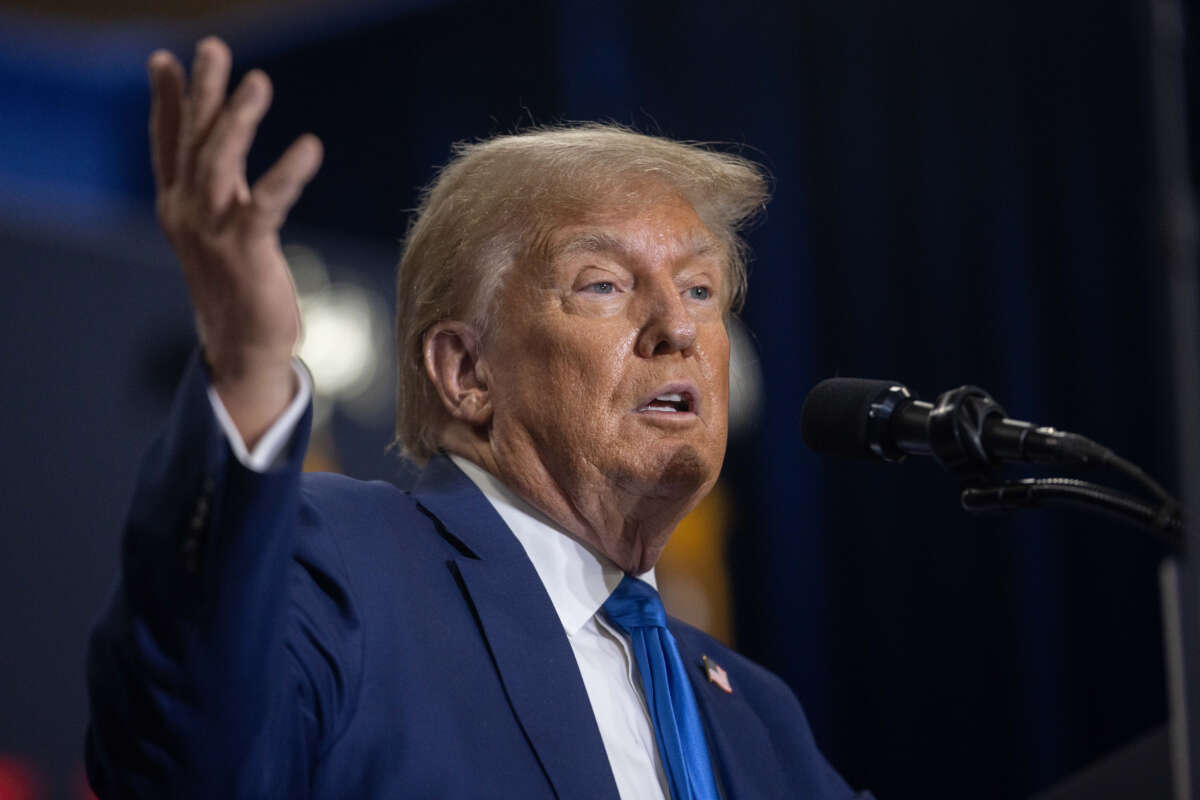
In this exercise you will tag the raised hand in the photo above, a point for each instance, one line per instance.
(226, 232)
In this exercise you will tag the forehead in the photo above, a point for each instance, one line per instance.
(660, 227)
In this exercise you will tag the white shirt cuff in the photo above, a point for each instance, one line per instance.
(269, 450)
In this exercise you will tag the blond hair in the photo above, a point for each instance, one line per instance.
(488, 206)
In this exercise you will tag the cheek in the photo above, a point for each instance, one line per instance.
(560, 377)
(588, 367)
(716, 360)
(589, 355)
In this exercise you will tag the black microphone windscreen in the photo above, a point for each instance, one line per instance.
(833, 420)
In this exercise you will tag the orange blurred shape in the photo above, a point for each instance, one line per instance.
(18, 779)
(321, 455)
(692, 575)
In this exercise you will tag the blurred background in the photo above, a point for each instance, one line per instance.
(963, 193)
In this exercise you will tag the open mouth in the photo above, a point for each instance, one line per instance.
(671, 403)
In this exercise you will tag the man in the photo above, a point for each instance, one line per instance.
(495, 632)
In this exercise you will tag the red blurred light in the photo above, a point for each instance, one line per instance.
(18, 779)
(82, 790)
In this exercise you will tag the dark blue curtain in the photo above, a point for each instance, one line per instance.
(962, 194)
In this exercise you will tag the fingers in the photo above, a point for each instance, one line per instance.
(221, 162)
(276, 191)
(166, 109)
(210, 76)
(200, 144)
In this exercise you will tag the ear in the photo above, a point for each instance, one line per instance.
(452, 363)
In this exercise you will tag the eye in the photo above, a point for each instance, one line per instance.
(699, 293)
(600, 287)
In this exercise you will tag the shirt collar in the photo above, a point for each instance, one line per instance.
(577, 579)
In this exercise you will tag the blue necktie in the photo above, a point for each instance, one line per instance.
(635, 608)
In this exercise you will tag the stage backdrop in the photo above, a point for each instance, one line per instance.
(962, 195)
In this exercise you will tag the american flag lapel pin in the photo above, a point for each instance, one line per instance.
(716, 674)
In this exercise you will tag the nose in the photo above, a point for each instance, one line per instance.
(669, 326)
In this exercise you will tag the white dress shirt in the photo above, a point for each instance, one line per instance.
(578, 582)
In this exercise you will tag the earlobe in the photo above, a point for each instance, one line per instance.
(459, 376)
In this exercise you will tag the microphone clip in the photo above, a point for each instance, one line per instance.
(956, 430)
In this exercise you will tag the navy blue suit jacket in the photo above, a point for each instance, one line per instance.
(288, 635)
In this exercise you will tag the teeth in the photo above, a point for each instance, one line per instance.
(675, 402)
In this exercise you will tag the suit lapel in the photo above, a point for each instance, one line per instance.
(523, 633)
(737, 738)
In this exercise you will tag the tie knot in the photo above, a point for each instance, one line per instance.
(635, 604)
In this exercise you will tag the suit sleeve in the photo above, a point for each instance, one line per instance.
(226, 660)
(271, 446)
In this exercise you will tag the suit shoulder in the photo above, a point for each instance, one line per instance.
(333, 484)
(338, 497)
(375, 532)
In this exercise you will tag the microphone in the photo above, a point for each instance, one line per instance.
(964, 429)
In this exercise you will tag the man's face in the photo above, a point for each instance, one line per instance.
(610, 361)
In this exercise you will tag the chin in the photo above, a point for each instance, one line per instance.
(687, 469)
(676, 472)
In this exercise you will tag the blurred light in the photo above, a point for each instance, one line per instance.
(18, 779)
(345, 341)
(745, 379)
(692, 575)
(336, 343)
(308, 269)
